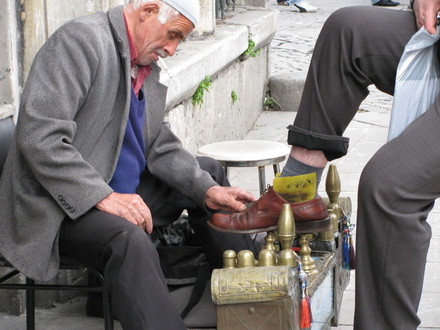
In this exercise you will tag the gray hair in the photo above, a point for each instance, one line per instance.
(166, 12)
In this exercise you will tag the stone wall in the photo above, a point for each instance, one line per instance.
(220, 57)
(9, 88)
(220, 117)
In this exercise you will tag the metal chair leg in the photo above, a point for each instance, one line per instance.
(30, 305)
(107, 306)
(108, 313)
(262, 177)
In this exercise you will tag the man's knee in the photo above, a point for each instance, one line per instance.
(134, 243)
(339, 20)
(215, 169)
(375, 181)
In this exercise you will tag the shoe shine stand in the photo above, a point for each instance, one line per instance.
(267, 292)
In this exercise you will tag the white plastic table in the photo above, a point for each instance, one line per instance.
(247, 153)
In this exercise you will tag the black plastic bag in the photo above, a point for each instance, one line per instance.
(182, 260)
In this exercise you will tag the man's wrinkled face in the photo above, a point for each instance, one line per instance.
(153, 39)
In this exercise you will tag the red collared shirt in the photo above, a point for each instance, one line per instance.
(138, 72)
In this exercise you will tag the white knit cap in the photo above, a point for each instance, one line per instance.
(188, 8)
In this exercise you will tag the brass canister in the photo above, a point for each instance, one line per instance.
(255, 284)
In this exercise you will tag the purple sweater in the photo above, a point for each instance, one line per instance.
(131, 161)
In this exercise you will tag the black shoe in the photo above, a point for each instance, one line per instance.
(386, 3)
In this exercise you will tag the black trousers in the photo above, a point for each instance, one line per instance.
(130, 263)
(360, 46)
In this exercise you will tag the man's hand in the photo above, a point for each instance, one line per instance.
(130, 207)
(230, 199)
(426, 14)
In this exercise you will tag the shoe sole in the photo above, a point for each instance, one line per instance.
(316, 226)
(301, 227)
(238, 231)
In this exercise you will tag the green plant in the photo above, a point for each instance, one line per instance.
(234, 96)
(269, 102)
(197, 97)
(251, 49)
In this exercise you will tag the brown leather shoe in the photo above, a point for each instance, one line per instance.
(262, 215)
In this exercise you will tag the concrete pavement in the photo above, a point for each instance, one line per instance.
(291, 51)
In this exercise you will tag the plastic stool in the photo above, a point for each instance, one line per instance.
(247, 153)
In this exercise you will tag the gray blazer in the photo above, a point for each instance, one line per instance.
(70, 129)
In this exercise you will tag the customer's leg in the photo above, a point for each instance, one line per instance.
(351, 53)
(131, 268)
(396, 192)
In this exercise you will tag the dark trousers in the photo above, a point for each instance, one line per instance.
(359, 46)
(129, 260)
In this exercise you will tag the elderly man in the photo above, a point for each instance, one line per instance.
(93, 166)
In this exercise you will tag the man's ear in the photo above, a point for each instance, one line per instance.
(149, 10)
